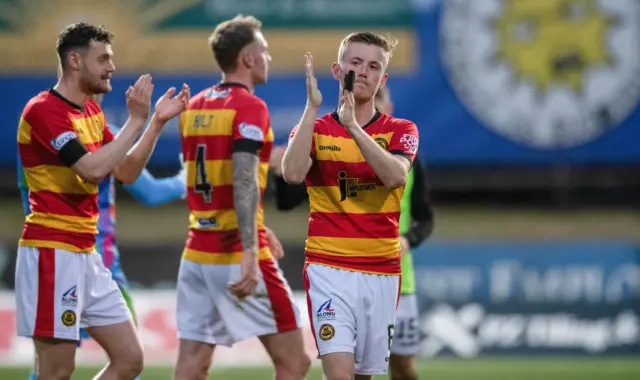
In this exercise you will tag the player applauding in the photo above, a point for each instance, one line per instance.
(355, 162)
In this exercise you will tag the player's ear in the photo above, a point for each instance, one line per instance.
(336, 70)
(246, 58)
(73, 60)
(383, 80)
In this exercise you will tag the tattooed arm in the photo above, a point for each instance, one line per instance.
(246, 195)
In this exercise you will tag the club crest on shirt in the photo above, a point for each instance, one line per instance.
(382, 142)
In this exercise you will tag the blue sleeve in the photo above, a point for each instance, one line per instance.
(151, 191)
(24, 189)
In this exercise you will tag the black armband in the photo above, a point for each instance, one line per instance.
(71, 152)
(403, 154)
(289, 196)
(246, 145)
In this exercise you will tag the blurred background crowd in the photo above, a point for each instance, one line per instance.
(529, 130)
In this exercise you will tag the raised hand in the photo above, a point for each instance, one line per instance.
(346, 112)
(314, 97)
(168, 107)
(139, 97)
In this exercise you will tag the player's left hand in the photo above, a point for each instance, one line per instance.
(274, 245)
(346, 112)
(167, 107)
(404, 245)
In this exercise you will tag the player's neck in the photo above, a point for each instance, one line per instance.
(365, 112)
(238, 78)
(70, 90)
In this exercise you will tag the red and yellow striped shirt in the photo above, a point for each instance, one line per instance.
(64, 209)
(216, 122)
(354, 218)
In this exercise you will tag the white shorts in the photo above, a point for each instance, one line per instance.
(406, 340)
(207, 312)
(352, 312)
(58, 292)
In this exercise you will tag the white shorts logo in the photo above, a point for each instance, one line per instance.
(410, 143)
(509, 68)
(63, 139)
(251, 132)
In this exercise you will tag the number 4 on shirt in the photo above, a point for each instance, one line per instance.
(202, 186)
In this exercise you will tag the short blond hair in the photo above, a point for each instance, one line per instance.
(230, 37)
(387, 42)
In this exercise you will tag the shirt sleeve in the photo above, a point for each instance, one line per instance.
(313, 140)
(422, 222)
(109, 132)
(53, 130)
(404, 141)
(250, 128)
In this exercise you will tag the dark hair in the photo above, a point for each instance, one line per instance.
(79, 36)
(230, 37)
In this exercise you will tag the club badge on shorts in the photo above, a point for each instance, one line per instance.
(327, 331)
(69, 318)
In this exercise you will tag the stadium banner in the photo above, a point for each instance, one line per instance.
(484, 85)
(509, 298)
(518, 328)
(537, 273)
(156, 323)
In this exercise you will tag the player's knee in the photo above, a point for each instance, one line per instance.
(192, 369)
(402, 369)
(130, 364)
(59, 372)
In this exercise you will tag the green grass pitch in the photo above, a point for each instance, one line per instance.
(439, 369)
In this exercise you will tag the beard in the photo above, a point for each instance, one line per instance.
(95, 85)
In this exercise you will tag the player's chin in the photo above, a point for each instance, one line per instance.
(362, 94)
(102, 88)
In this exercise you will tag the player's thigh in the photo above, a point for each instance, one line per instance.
(197, 317)
(406, 337)
(120, 341)
(376, 323)
(270, 310)
(332, 299)
(48, 287)
(105, 304)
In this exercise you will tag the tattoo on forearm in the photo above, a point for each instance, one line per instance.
(246, 195)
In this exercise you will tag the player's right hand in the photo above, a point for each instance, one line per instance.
(139, 97)
(249, 275)
(314, 97)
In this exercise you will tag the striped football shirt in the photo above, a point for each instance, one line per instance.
(219, 121)
(353, 223)
(53, 133)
